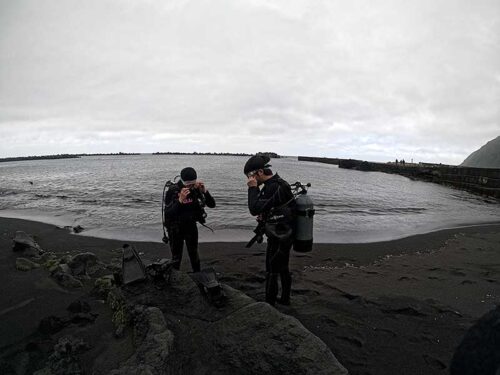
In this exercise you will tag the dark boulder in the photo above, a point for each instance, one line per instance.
(51, 325)
(479, 351)
(83, 264)
(23, 242)
(78, 307)
(243, 336)
(78, 229)
(65, 358)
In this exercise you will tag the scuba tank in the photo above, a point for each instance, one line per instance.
(167, 186)
(304, 213)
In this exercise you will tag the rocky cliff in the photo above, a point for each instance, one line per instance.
(487, 156)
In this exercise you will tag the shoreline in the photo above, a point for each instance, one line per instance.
(64, 221)
(388, 307)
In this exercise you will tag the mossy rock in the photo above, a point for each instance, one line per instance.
(103, 285)
(52, 265)
(23, 264)
(121, 316)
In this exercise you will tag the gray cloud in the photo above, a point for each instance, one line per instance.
(373, 80)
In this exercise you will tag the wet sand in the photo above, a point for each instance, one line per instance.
(396, 307)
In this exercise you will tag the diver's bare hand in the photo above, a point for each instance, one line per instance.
(183, 194)
(252, 181)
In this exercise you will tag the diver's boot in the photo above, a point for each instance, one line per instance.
(286, 287)
(271, 288)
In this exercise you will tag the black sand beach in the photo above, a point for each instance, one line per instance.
(397, 307)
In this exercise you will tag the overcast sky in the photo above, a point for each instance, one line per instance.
(374, 79)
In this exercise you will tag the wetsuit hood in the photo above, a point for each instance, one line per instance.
(256, 162)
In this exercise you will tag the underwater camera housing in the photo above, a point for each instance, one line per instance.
(196, 194)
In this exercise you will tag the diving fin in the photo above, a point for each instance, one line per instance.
(132, 267)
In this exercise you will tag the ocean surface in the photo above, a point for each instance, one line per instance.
(120, 197)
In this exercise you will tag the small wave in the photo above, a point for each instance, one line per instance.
(233, 225)
(87, 201)
(400, 210)
(4, 193)
(43, 196)
(62, 196)
(374, 211)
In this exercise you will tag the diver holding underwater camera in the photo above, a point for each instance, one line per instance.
(183, 206)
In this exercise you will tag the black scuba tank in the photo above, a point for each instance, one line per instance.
(304, 213)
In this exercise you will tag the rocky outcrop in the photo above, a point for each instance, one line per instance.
(64, 359)
(22, 242)
(243, 336)
(154, 344)
(163, 325)
(488, 156)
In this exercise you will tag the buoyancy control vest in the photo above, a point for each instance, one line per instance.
(293, 218)
(195, 211)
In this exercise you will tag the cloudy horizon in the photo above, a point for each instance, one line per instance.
(374, 80)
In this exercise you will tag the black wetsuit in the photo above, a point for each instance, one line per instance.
(274, 194)
(180, 220)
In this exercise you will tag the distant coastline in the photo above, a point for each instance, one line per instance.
(43, 157)
(202, 153)
(62, 156)
(76, 156)
(272, 155)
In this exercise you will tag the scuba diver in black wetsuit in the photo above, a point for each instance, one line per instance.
(273, 207)
(184, 206)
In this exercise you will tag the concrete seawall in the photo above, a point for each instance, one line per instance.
(320, 160)
(483, 181)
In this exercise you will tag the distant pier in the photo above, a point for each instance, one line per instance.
(483, 181)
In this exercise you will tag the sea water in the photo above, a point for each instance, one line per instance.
(120, 197)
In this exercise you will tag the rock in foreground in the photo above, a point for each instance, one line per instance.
(243, 337)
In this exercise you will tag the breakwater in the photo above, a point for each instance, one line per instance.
(483, 181)
(320, 160)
